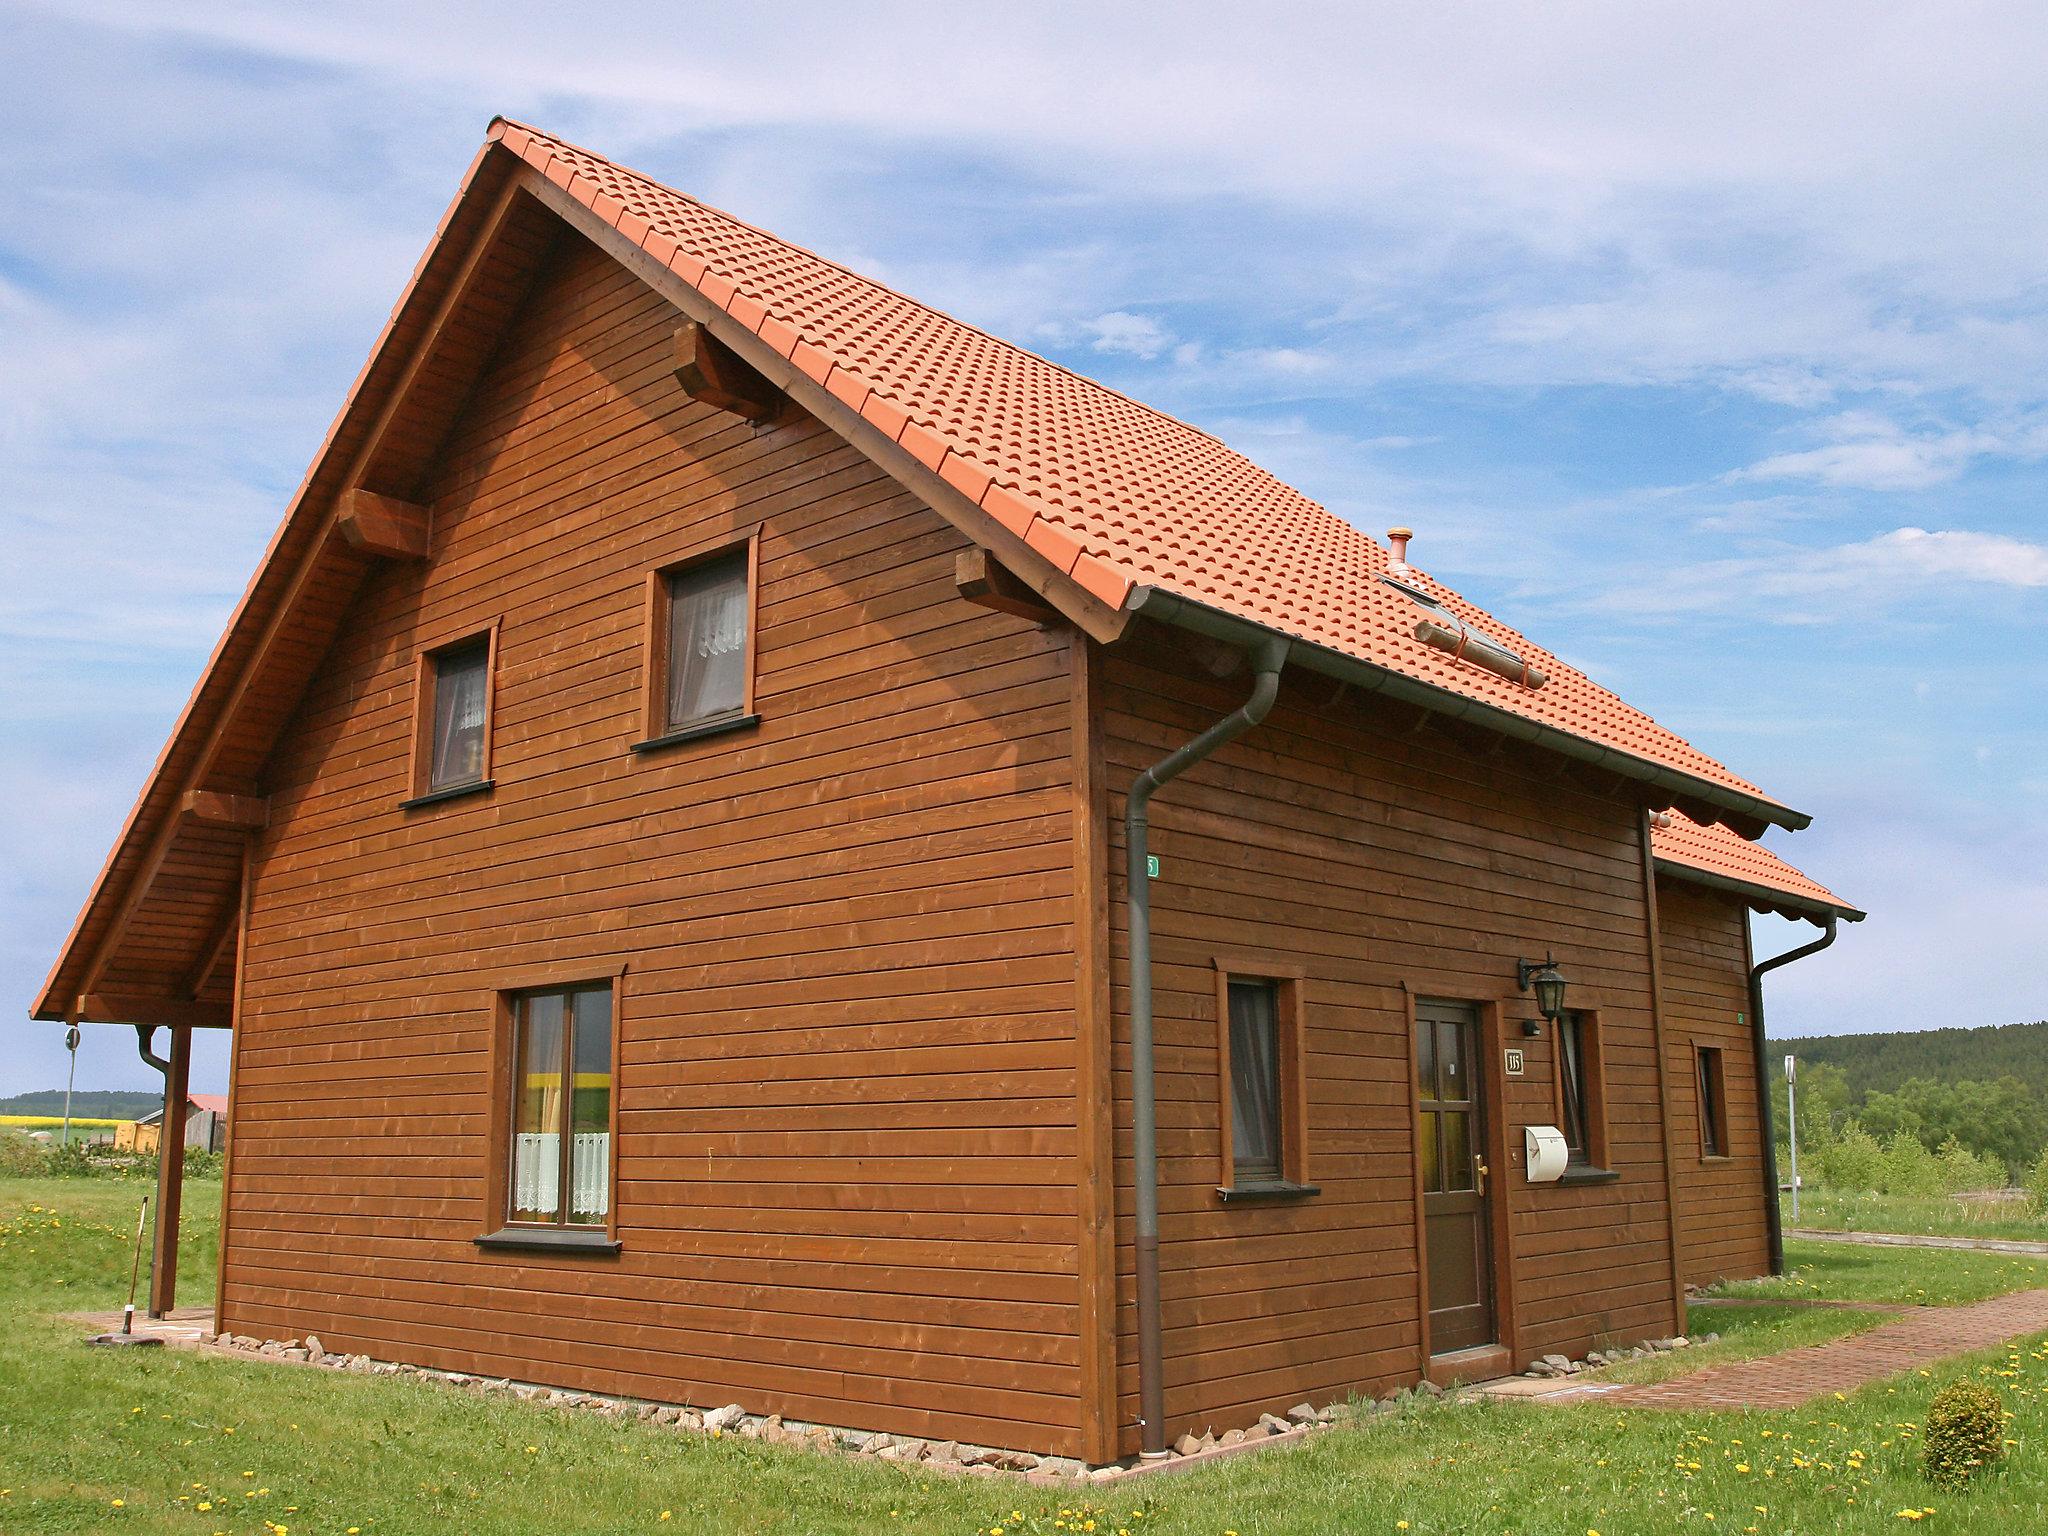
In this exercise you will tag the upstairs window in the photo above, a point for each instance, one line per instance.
(461, 714)
(451, 753)
(1713, 1103)
(700, 649)
(562, 1107)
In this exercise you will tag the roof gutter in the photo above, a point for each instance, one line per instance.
(1269, 655)
(1773, 1222)
(1783, 902)
(1184, 613)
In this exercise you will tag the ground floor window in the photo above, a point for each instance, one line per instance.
(1581, 1097)
(1261, 1097)
(562, 1107)
(1713, 1103)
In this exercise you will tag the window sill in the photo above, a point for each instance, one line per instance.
(550, 1240)
(452, 792)
(1586, 1173)
(1715, 1158)
(1276, 1189)
(697, 732)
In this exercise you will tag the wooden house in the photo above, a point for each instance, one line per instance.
(663, 826)
(205, 1126)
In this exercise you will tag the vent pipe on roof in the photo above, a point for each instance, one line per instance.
(1398, 538)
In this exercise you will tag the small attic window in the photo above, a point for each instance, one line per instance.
(1443, 629)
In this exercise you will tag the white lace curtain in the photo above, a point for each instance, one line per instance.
(707, 641)
(459, 717)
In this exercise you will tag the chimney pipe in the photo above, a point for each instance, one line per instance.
(1398, 538)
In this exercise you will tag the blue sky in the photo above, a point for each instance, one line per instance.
(1709, 345)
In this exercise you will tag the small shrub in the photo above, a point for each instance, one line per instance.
(1852, 1160)
(1964, 1171)
(2037, 1185)
(201, 1164)
(1909, 1168)
(1965, 1433)
(20, 1156)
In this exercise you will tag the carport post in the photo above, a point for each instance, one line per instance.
(170, 1175)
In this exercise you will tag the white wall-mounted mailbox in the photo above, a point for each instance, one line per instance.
(1544, 1153)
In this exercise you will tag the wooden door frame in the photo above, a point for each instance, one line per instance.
(1489, 1015)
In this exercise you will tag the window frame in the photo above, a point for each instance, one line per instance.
(1590, 1162)
(501, 1231)
(656, 729)
(1710, 1085)
(425, 696)
(1290, 1028)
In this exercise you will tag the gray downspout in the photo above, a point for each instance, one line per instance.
(144, 1033)
(1774, 1223)
(1269, 655)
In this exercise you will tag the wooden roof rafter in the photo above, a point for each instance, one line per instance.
(408, 394)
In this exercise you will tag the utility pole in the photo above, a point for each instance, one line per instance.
(1792, 1126)
(71, 1045)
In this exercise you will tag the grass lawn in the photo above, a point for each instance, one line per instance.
(1818, 1269)
(1920, 1216)
(180, 1442)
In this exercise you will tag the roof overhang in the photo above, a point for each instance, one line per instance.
(1740, 810)
(1763, 898)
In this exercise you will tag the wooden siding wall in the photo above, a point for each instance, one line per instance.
(1706, 1000)
(847, 1148)
(1378, 853)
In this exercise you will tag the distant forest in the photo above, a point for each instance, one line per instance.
(93, 1104)
(1984, 1088)
(1884, 1063)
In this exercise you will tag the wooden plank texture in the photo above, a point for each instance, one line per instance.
(847, 1149)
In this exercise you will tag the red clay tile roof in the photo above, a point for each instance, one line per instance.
(1116, 494)
(1686, 849)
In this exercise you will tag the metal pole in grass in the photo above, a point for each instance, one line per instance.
(128, 1335)
(71, 1045)
(1792, 1127)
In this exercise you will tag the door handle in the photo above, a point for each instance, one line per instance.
(1479, 1167)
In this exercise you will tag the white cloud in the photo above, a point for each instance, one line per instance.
(1917, 556)
(1820, 585)
(1295, 361)
(1872, 453)
(1782, 203)
(1133, 335)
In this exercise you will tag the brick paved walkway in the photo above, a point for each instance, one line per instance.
(1921, 1240)
(1789, 1379)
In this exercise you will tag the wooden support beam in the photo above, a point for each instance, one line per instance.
(446, 312)
(170, 1177)
(713, 374)
(983, 579)
(383, 526)
(210, 808)
(128, 1008)
(226, 929)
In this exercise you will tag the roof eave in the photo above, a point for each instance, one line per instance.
(1765, 898)
(1185, 613)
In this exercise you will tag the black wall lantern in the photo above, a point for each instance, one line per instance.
(1547, 982)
